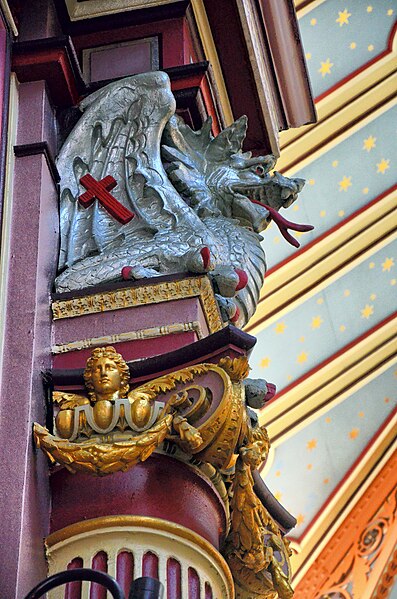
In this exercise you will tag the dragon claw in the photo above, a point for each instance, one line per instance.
(126, 273)
(206, 256)
(242, 278)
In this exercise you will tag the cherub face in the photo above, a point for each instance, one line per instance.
(105, 376)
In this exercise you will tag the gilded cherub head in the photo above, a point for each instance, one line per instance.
(106, 375)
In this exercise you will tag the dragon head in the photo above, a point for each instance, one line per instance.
(216, 177)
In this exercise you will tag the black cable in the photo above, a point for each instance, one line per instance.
(74, 575)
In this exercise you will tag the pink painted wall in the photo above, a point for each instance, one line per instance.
(24, 493)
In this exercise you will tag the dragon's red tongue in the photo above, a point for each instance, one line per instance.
(284, 224)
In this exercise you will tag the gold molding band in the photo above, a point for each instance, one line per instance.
(80, 528)
(326, 262)
(293, 409)
(302, 142)
(150, 333)
(212, 56)
(153, 293)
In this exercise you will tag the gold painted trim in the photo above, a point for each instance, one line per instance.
(5, 238)
(150, 333)
(212, 56)
(151, 293)
(344, 95)
(346, 133)
(323, 264)
(81, 528)
(255, 47)
(308, 8)
(343, 502)
(90, 9)
(324, 388)
(316, 135)
(8, 17)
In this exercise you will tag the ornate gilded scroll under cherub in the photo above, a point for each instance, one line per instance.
(204, 410)
(112, 428)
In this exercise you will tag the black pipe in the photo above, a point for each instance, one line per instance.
(73, 575)
(141, 588)
(146, 588)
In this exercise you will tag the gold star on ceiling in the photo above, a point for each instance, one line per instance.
(353, 46)
(335, 163)
(320, 301)
(354, 433)
(302, 357)
(387, 264)
(326, 481)
(345, 183)
(367, 311)
(369, 9)
(365, 190)
(280, 328)
(342, 328)
(393, 281)
(313, 22)
(278, 495)
(325, 68)
(316, 322)
(265, 362)
(346, 292)
(372, 297)
(371, 265)
(343, 18)
(390, 12)
(370, 47)
(308, 55)
(383, 165)
(312, 444)
(300, 519)
(369, 143)
(341, 213)
(309, 466)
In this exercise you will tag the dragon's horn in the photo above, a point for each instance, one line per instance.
(229, 141)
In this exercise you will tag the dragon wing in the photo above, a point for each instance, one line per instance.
(119, 135)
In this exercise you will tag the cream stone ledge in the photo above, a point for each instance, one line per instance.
(328, 386)
(326, 261)
(8, 16)
(343, 502)
(138, 535)
(90, 9)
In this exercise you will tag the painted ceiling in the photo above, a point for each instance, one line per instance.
(326, 325)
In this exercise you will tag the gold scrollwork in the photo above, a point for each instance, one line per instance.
(129, 297)
(101, 458)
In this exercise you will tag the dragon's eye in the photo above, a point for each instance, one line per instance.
(260, 170)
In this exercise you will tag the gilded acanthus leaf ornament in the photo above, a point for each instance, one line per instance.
(199, 202)
(256, 552)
